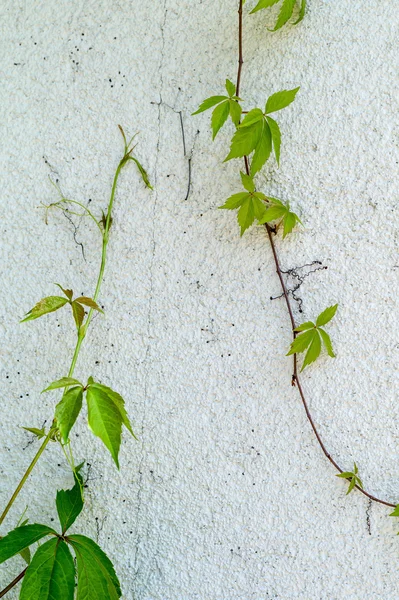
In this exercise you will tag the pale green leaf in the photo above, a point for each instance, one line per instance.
(208, 103)
(244, 140)
(259, 208)
(276, 137)
(67, 411)
(230, 88)
(301, 342)
(247, 182)
(51, 574)
(290, 220)
(262, 150)
(97, 579)
(313, 351)
(61, 383)
(105, 420)
(301, 12)
(263, 4)
(219, 117)
(39, 433)
(70, 503)
(305, 326)
(273, 213)
(246, 215)
(20, 538)
(327, 342)
(46, 305)
(395, 513)
(235, 112)
(235, 201)
(280, 100)
(254, 116)
(326, 315)
(286, 11)
(118, 401)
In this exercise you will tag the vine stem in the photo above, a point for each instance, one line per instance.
(13, 583)
(295, 378)
(81, 333)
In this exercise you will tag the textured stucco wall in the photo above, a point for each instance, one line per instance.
(226, 495)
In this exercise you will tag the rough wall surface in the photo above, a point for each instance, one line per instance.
(226, 495)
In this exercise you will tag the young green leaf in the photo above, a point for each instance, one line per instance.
(51, 574)
(352, 476)
(68, 293)
(89, 302)
(305, 326)
(96, 575)
(250, 205)
(280, 100)
(219, 116)
(301, 342)
(286, 11)
(395, 513)
(67, 410)
(62, 383)
(235, 201)
(78, 313)
(263, 149)
(44, 306)
(313, 351)
(70, 503)
(301, 12)
(143, 172)
(327, 342)
(326, 315)
(247, 182)
(230, 88)
(263, 4)
(118, 401)
(209, 103)
(278, 210)
(39, 433)
(20, 538)
(235, 111)
(276, 137)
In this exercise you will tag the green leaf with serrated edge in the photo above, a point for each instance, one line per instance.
(327, 342)
(39, 433)
(246, 215)
(290, 220)
(260, 195)
(263, 4)
(68, 293)
(301, 12)
(313, 351)
(247, 182)
(280, 100)
(262, 150)
(78, 313)
(301, 342)
(253, 116)
(235, 201)
(285, 13)
(346, 474)
(235, 112)
(45, 306)
(105, 420)
(118, 401)
(51, 574)
(272, 214)
(276, 137)
(305, 326)
(326, 315)
(219, 117)
(67, 411)
(259, 207)
(143, 172)
(61, 383)
(70, 503)
(230, 88)
(355, 469)
(395, 513)
(89, 302)
(244, 140)
(97, 579)
(20, 538)
(351, 485)
(208, 103)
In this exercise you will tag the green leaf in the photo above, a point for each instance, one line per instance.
(68, 293)
(281, 99)
(97, 579)
(276, 137)
(346, 474)
(235, 112)
(326, 315)
(246, 214)
(230, 88)
(78, 313)
(61, 383)
(118, 401)
(235, 201)
(51, 574)
(70, 503)
(395, 513)
(208, 103)
(285, 13)
(351, 485)
(39, 433)
(143, 173)
(301, 342)
(262, 150)
(254, 116)
(245, 139)
(259, 207)
(301, 12)
(89, 302)
(313, 351)
(305, 326)
(273, 213)
(247, 182)
(263, 4)
(46, 305)
(290, 220)
(327, 342)
(25, 554)
(20, 538)
(219, 117)
(67, 410)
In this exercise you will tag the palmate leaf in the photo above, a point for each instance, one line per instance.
(311, 336)
(67, 410)
(106, 414)
(280, 100)
(286, 11)
(70, 503)
(225, 106)
(352, 477)
(249, 203)
(62, 383)
(278, 210)
(97, 579)
(219, 117)
(51, 573)
(20, 538)
(45, 306)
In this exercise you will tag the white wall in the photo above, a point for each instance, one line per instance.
(227, 494)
